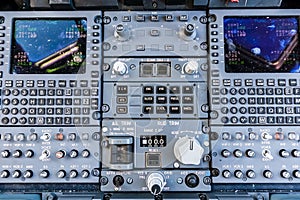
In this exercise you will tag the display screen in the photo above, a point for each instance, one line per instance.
(49, 46)
(261, 44)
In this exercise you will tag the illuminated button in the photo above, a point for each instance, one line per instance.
(188, 109)
(122, 109)
(140, 18)
(174, 109)
(154, 18)
(148, 90)
(154, 32)
(169, 18)
(122, 89)
(96, 27)
(161, 99)
(161, 90)
(161, 109)
(148, 99)
(60, 154)
(126, 18)
(95, 41)
(187, 89)
(148, 109)
(183, 18)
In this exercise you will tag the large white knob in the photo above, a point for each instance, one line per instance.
(119, 68)
(188, 32)
(188, 151)
(155, 182)
(121, 33)
(191, 67)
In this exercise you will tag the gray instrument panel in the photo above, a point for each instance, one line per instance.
(156, 105)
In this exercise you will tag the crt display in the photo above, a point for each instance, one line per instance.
(49, 46)
(261, 44)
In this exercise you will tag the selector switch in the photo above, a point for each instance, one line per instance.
(119, 68)
(155, 183)
(188, 150)
(190, 68)
(121, 33)
(188, 32)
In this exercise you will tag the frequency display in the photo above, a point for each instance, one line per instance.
(49, 46)
(261, 44)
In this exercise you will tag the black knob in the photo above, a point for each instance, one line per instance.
(44, 174)
(189, 29)
(156, 189)
(192, 180)
(4, 174)
(284, 153)
(5, 154)
(28, 174)
(268, 174)
(16, 174)
(118, 181)
(17, 153)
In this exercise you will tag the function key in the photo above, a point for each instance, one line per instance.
(281, 82)
(126, 18)
(169, 18)
(259, 82)
(2, 34)
(293, 82)
(183, 18)
(226, 82)
(174, 99)
(187, 99)
(161, 89)
(19, 83)
(95, 34)
(154, 18)
(214, 25)
(83, 83)
(148, 109)
(2, 27)
(122, 109)
(148, 90)
(148, 99)
(188, 109)
(8, 83)
(271, 82)
(73, 83)
(51, 83)
(174, 109)
(161, 109)
(122, 89)
(187, 89)
(161, 99)
(96, 27)
(249, 82)
(62, 83)
(140, 18)
(41, 83)
(214, 40)
(237, 82)
(174, 89)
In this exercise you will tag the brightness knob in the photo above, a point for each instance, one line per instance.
(119, 68)
(190, 67)
(156, 182)
(188, 151)
(121, 33)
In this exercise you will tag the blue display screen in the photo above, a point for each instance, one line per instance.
(261, 44)
(49, 46)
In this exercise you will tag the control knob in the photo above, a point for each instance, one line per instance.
(188, 32)
(119, 68)
(155, 183)
(121, 33)
(188, 150)
(190, 67)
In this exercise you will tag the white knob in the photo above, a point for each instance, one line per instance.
(156, 182)
(188, 151)
(119, 68)
(190, 67)
(121, 33)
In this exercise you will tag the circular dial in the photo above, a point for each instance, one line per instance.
(119, 68)
(188, 32)
(190, 67)
(188, 150)
(121, 33)
(156, 182)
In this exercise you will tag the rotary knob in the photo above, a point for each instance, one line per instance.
(188, 150)
(121, 33)
(190, 67)
(156, 182)
(188, 32)
(119, 68)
